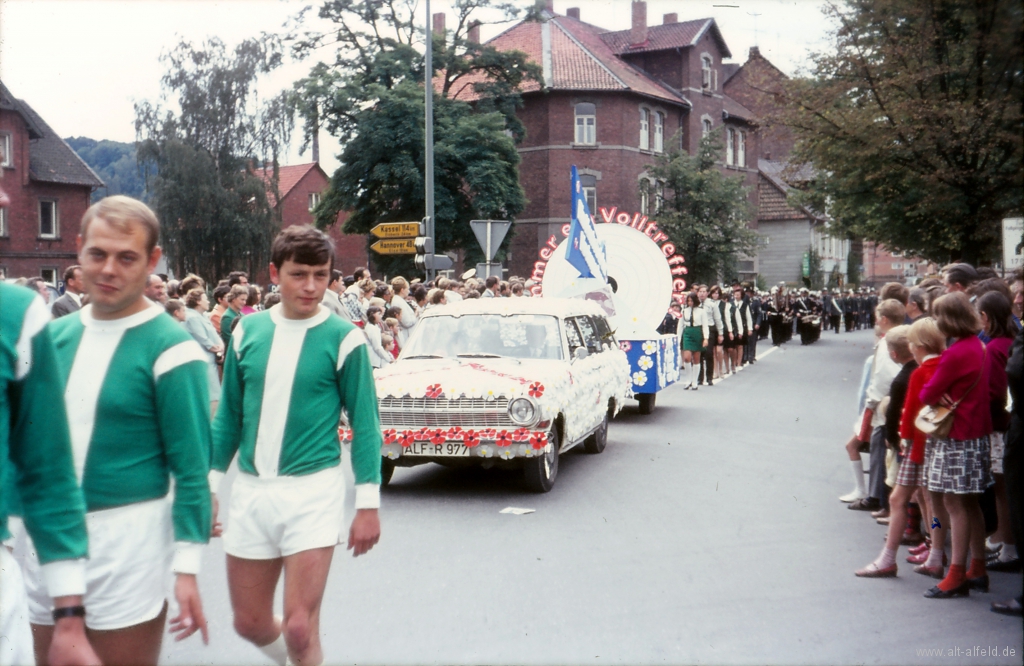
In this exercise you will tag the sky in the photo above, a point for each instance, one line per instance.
(81, 64)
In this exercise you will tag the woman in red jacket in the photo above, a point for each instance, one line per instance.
(960, 467)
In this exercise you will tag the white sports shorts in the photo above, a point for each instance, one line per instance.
(128, 570)
(15, 634)
(280, 516)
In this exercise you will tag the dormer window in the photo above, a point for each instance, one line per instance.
(705, 72)
(586, 124)
(645, 134)
(659, 132)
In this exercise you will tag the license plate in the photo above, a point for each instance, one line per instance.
(448, 449)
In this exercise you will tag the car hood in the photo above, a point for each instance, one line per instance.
(490, 378)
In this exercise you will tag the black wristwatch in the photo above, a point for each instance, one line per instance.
(68, 611)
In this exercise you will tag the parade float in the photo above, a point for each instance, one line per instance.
(626, 264)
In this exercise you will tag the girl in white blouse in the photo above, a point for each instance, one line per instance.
(693, 332)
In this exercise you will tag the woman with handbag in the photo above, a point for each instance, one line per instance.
(957, 412)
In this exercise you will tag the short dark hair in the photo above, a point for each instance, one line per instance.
(69, 272)
(271, 299)
(173, 306)
(963, 274)
(302, 244)
(997, 307)
(359, 273)
(894, 290)
(220, 292)
(491, 281)
(955, 316)
(335, 276)
(235, 277)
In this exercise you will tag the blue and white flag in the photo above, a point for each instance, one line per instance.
(584, 251)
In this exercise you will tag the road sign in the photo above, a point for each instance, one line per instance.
(490, 233)
(396, 230)
(395, 246)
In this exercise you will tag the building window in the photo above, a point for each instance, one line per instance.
(730, 152)
(589, 185)
(659, 131)
(6, 150)
(705, 72)
(3, 223)
(49, 276)
(659, 196)
(645, 129)
(314, 201)
(706, 126)
(741, 149)
(48, 225)
(645, 197)
(586, 124)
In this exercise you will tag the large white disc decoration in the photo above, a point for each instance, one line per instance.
(638, 266)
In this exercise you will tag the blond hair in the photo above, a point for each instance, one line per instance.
(892, 310)
(120, 212)
(925, 333)
(897, 341)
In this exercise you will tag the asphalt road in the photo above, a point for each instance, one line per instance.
(708, 532)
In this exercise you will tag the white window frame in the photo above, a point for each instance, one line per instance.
(645, 129)
(314, 200)
(741, 149)
(4, 232)
(585, 125)
(659, 132)
(706, 126)
(54, 219)
(705, 71)
(54, 272)
(6, 149)
(589, 191)
(659, 196)
(645, 197)
(730, 148)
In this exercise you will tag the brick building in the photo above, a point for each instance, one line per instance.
(49, 186)
(300, 187)
(612, 100)
(882, 265)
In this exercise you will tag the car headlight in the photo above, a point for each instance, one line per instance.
(522, 411)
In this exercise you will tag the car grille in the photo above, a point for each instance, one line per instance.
(425, 412)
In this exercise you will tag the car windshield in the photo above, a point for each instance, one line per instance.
(480, 336)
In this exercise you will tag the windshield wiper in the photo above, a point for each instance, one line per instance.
(479, 355)
(408, 358)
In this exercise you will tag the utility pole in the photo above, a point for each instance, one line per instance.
(428, 134)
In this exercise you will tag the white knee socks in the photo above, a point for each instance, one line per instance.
(858, 477)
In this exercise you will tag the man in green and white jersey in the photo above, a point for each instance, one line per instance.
(137, 407)
(37, 481)
(288, 374)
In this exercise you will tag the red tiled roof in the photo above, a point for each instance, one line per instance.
(287, 178)
(670, 36)
(773, 199)
(573, 68)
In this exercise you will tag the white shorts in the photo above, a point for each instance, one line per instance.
(128, 570)
(15, 634)
(276, 517)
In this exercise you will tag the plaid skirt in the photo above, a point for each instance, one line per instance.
(960, 467)
(911, 474)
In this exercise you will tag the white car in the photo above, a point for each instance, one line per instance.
(503, 381)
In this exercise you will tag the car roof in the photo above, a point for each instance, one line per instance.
(559, 307)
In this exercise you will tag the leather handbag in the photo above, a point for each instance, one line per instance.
(937, 420)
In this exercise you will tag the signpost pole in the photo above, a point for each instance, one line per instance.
(428, 100)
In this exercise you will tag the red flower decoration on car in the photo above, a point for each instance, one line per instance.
(503, 438)
(536, 390)
(539, 440)
(422, 435)
(488, 433)
(438, 436)
(625, 346)
(434, 391)
(455, 433)
(407, 438)
(470, 438)
(390, 436)
(520, 435)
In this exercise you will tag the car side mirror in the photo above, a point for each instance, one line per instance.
(580, 353)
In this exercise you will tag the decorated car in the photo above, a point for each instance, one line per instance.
(510, 382)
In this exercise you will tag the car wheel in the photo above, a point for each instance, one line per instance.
(387, 469)
(646, 402)
(598, 439)
(540, 472)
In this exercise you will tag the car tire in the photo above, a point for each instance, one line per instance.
(540, 471)
(387, 470)
(598, 439)
(647, 402)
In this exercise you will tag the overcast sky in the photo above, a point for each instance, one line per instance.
(82, 63)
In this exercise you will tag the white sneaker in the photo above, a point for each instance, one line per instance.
(853, 496)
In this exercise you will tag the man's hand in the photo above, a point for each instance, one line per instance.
(218, 528)
(69, 646)
(364, 533)
(190, 618)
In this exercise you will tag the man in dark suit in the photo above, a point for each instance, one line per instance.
(71, 301)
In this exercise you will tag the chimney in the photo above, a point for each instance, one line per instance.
(473, 36)
(573, 12)
(638, 33)
(754, 53)
(670, 18)
(550, 5)
(439, 24)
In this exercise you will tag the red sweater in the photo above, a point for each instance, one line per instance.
(959, 368)
(913, 405)
(998, 353)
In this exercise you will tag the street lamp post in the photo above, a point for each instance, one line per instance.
(428, 134)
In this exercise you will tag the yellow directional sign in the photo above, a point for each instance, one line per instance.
(395, 246)
(396, 230)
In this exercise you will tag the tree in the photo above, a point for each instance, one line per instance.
(371, 97)
(215, 157)
(914, 124)
(704, 212)
(113, 161)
